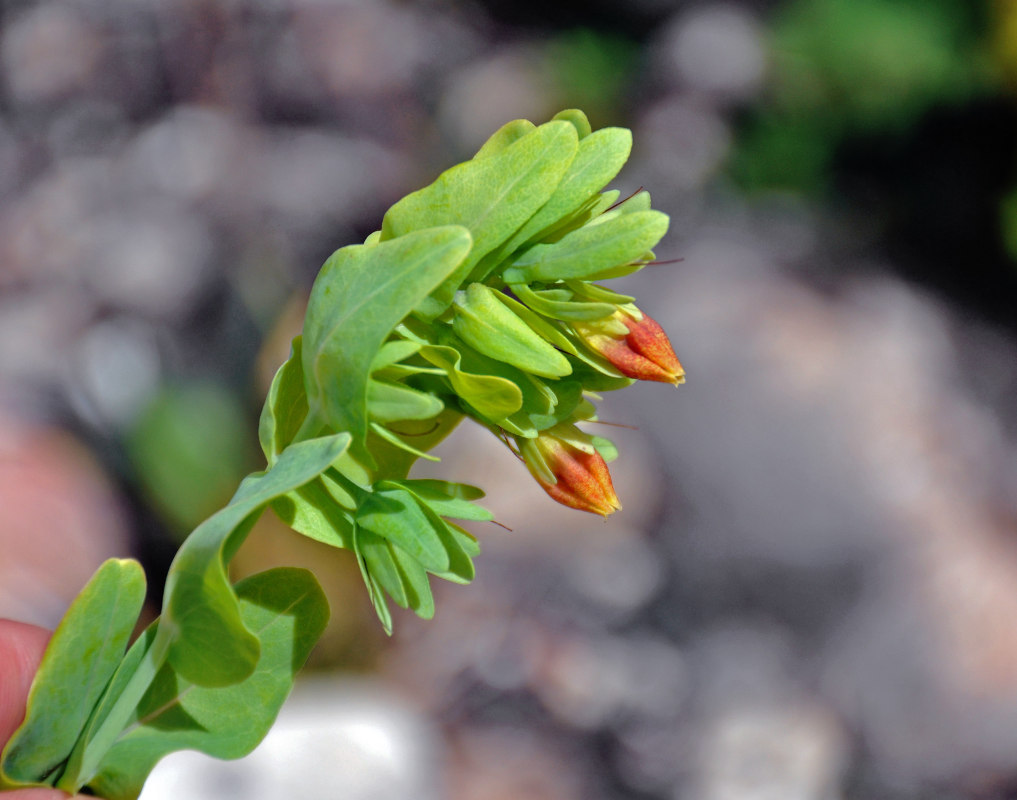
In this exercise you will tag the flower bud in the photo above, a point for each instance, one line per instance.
(634, 344)
(572, 472)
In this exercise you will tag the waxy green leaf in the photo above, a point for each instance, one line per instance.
(390, 402)
(504, 136)
(487, 324)
(599, 158)
(285, 407)
(445, 498)
(492, 196)
(578, 119)
(492, 396)
(591, 250)
(396, 515)
(287, 612)
(211, 646)
(81, 657)
(321, 510)
(551, 303)
(362, 293)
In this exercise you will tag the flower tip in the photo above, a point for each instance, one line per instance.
(571, 475)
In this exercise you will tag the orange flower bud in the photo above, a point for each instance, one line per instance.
(634, 345)
(572, 472)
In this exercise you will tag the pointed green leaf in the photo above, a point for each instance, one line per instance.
(548, 331)
(550, 304)
(396, 515)
(359, 296)
(591, 250)
(444, 498)
(416, 583)
(392, 438)
(374, 590)
(390, 402)
(486, 323)
(492, 196)
(285, 407)
(287, 611)
(504, 136)
(599, 158)
(79, 661)
(493, 396)
(396, 452)
(392, 353)
(381, 563)
(599, 294)
(578, 120)
(316, 511)
(210, 644)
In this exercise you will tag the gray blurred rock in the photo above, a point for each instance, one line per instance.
(48, 52)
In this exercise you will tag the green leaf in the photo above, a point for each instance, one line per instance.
(599, 294)
(397, 516)
(316, 511)
(394, 459)
(599, 158)
(607, 449)
(445, 498)
(416, 584)
(549, 331)
(79, 661)
(492, 196)
(362, 293)
(391, 402)
(392, 438)
(287, 611)
(285, 407)
(393, 352)
(592, 249)
(578, 119)
(381, 564)
(466, 540)
(461, 548)
(492, 396)
(210, 644)
(504, 136)
(487, 324)
(550, 304)
(374, 590)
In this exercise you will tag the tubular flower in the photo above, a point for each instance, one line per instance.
(634, 344)
(572, 473)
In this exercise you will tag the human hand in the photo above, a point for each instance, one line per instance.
(21, 649)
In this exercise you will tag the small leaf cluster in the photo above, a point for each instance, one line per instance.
(465, 303)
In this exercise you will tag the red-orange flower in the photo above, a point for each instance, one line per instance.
(634, 344)
(570, 471)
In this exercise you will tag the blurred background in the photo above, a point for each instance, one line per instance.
(812, 590)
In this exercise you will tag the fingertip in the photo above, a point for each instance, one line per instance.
(21, 649)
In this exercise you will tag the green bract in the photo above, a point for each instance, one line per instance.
(469, 302)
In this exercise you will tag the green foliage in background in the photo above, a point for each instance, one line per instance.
(854, 67)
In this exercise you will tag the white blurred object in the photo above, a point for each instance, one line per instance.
(113, 370)
(334, 738)
(794, 752)
(716, 49)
